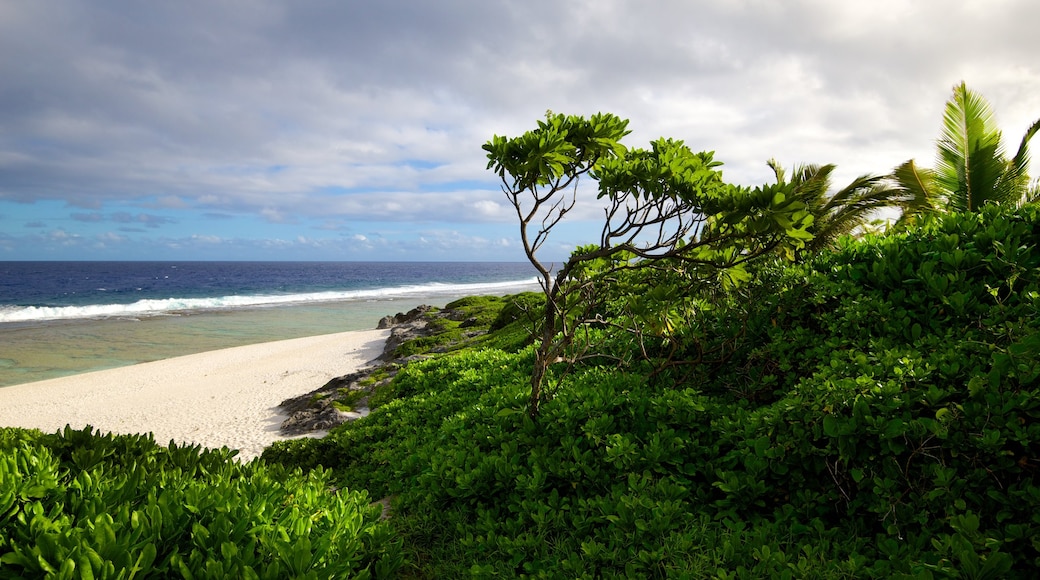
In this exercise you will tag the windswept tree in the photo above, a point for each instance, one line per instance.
(662, 205)
(972, 168)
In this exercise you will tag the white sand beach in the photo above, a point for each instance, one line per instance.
(218, 398)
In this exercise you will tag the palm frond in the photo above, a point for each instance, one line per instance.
(852, 193)
(811, 184)
(1018, 167)
(853, 206)
(921, 195)
(1033, 192)
(778, 170)
(971, 159)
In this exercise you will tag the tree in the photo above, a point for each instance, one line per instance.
(972, 168)
(665, 204)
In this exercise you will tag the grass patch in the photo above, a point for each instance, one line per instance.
(347, 399)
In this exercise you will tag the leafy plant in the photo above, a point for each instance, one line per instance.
(84, 504)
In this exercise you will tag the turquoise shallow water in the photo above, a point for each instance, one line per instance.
(63, 348)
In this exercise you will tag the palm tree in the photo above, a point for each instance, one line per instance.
(842, 212)
(972, 168)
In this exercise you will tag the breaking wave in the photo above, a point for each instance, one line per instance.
(167, 306)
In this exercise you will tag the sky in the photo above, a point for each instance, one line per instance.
(352, 130)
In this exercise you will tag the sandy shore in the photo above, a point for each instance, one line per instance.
(218, 398)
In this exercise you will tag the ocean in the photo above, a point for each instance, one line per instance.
(64, 318)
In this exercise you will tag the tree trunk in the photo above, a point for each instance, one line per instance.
(546, 352)
(537, 376)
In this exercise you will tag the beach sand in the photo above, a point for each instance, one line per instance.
(218, 398)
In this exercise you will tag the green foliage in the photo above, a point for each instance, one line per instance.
(667, 169)
(446, 335)
(516, 324)
(842, 212)
(381, 449)
(970, 163)
(380, 390)
(82, 504)
(870, 412)
(562, 147)
(524, 308)
(348, 398)
(873, 412)
(901, 372)
(463, 324)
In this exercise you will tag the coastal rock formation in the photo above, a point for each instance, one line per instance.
(316, 410)
(401, 318)
(345, 398)
(404, 327)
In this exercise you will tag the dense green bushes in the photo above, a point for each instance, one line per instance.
(903, 376)
(875, 413)
(380, 453)
(616, 477)
(78, 504)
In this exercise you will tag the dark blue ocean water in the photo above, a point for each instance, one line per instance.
(63, 318)
(39, 291)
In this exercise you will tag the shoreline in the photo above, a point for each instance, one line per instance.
(225, 397)
(69, 348)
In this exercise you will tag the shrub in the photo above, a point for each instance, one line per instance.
(870, 413)
(79, 503)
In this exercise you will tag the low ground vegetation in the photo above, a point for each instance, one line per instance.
(82, 504)
(872, 412)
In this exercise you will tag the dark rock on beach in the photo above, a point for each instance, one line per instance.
(404, 327)
(401, 318)
(320, 410)
(316, 411)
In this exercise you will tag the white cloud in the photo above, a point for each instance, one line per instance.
(111, 238)
(264, 112)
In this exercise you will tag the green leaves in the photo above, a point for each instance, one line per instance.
(835, 418)
(159, 511)
(971, 156)
(562, 147)
(663, 206)
(669, 170)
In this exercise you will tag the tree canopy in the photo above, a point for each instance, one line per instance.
(664, 202)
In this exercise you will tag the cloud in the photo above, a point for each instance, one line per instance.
(63, 238)
(309, 115)
(276, 216)
(207, 239)
(149, 220)
(111, 238)
(92, 218)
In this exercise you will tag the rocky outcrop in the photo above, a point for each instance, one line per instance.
(401, 318)
(404, 327)
(320, 410)
(316, 411)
